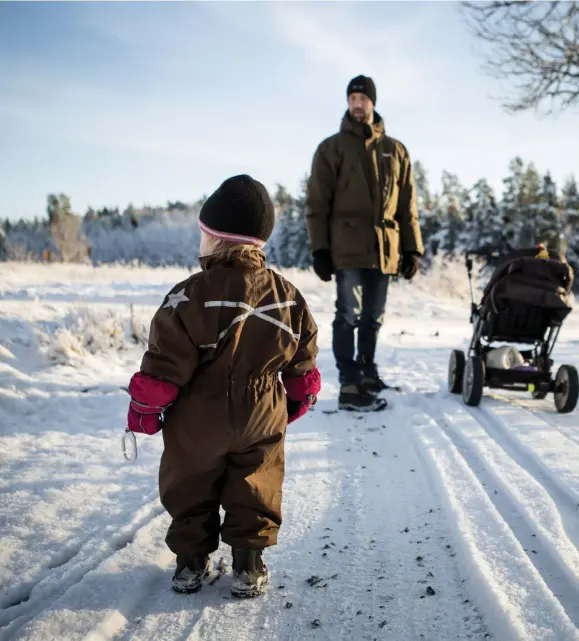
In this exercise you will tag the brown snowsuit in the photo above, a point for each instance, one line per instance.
(224, 336)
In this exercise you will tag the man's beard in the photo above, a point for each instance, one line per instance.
(359, 115)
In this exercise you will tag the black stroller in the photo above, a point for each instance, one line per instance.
(525, 302)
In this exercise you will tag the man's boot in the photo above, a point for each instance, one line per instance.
(373, 384)
(355, 398)
(189, 575)
(250, 574)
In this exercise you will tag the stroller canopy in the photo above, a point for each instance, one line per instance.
(530, 275)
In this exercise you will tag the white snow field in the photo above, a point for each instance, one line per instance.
(428, 521)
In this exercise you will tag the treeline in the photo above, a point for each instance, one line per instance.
(530, 209)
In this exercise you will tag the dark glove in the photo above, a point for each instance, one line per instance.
(410, 264)
(296, 410)
(323, 265)
(293, 408)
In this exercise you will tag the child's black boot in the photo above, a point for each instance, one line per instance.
(189, 575)
(250, 574)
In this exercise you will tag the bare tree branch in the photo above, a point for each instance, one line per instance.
(534, 45)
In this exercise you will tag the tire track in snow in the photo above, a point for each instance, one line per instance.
(97, 607)
(54, 583)
(505, 584)
(538, 409)
(562, 496)
(533, 515)
(63, 561)
(528, 433)
(560, 477)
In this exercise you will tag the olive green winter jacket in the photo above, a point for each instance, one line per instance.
(361, 198)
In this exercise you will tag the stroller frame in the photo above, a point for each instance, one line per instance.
(469, 373)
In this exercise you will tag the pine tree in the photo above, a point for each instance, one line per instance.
(282, 199)
(429, 215)
(131, 218)
(110, 217)
(570, 223)
(302, 258)
(483, 221)
(452, 205)
(511, 205)
(423, 196)
(3, 250)
(470, 235)
(90, 215)
(283, 249)
(279, 247)
(531, 197)
(548, 228)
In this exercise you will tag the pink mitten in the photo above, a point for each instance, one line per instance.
(303, 390)
(150, 397)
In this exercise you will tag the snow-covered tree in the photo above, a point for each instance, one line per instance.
(429, 214)
(570, 223)
(452, 204)
(3, 250)
(278, 251)
(131, 217)
(531, 198)
(548, 228)
(26, 240)
(289, 244)
(300, 245)
(483, 221)
(511, 204)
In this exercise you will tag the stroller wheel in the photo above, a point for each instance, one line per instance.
(455, 371)
(566, 389)
(473, 381)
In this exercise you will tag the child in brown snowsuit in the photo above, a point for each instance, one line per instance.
(211, 379)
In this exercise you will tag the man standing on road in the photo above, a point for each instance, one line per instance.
(363, 227)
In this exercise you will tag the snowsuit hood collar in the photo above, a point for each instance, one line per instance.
(242, 258)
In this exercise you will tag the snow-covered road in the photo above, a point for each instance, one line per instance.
(427, 521)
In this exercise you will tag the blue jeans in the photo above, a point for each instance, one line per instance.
(360, 305)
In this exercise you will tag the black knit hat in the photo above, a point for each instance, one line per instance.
(365, 85)
(240, 210)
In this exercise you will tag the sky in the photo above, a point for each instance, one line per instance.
(117, 103)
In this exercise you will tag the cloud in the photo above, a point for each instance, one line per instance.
(298, 27)
(337, 40)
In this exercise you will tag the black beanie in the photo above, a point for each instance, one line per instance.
(240, 210)
(365, 85)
